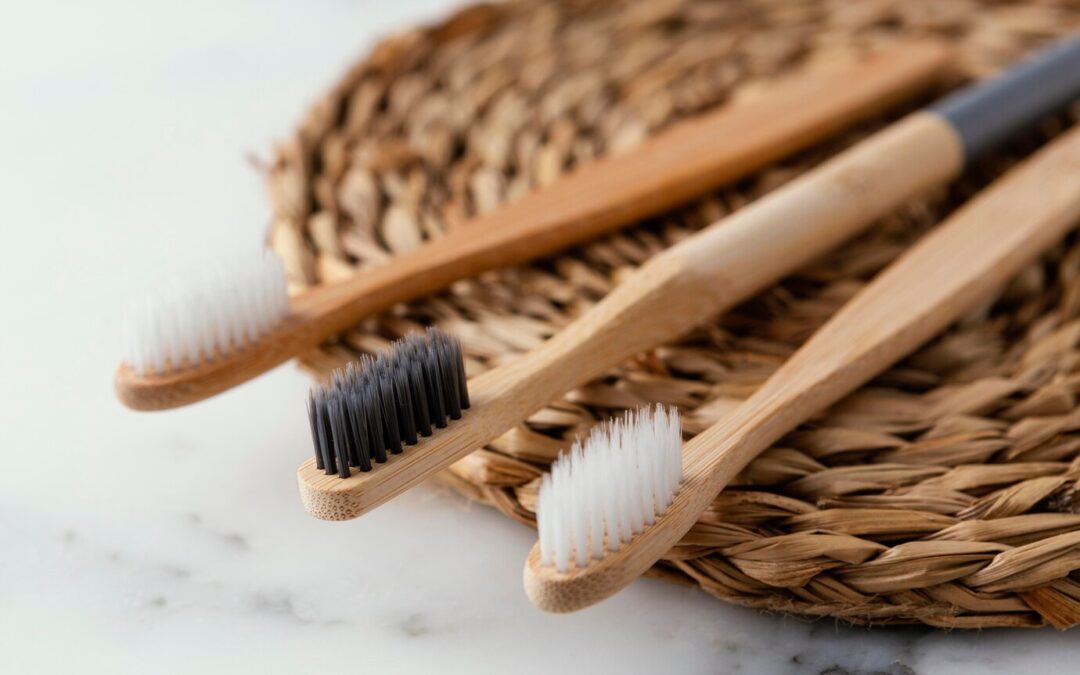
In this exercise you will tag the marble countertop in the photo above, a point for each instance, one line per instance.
(175, 542)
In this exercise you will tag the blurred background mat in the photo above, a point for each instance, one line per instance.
(943, 493)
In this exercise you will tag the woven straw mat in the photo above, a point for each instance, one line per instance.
(944, 492)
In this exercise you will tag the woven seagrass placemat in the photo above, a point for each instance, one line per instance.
(944, 492)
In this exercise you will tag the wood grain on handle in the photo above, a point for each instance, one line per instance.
(968, 257)
(685, 161)
(671, 294)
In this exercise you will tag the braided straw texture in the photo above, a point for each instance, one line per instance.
(945, 492)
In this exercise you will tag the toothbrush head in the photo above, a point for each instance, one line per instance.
(375, 407)
(606, 491)
(191, 322)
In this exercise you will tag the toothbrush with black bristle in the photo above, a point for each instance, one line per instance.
(724, 264)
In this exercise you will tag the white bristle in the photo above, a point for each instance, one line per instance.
(193, 319)
(610, 488)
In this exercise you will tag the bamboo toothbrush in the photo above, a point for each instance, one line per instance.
(727, 262)
(204, 336)
(968, 257)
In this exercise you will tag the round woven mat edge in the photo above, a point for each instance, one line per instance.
(943, 493)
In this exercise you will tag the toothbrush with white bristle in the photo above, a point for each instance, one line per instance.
(954, 268)
(233, 324)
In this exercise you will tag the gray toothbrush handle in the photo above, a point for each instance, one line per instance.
(986, 114)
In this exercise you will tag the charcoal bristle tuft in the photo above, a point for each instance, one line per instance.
(375, 407)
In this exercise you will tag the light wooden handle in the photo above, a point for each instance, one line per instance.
(675, 291)
(683, 162)
(970, 256)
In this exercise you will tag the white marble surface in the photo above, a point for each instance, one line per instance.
(175, 542)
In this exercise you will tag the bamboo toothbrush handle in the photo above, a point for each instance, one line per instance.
(688, 160)
(981, 247)
(671, 294)
(970, 256)
(668, 169)
(708, 273)
(682, 162)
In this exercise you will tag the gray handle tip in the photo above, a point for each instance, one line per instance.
(989, 113)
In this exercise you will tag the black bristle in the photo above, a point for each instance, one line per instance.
(436, 392)
(406, 415)
(391, 409)
(324, 446)
(463, 383)
(338, 429)
(373, 412)
(418, 391)
(313, 420)
(375, 406)
(362, 446)
(448, 373)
